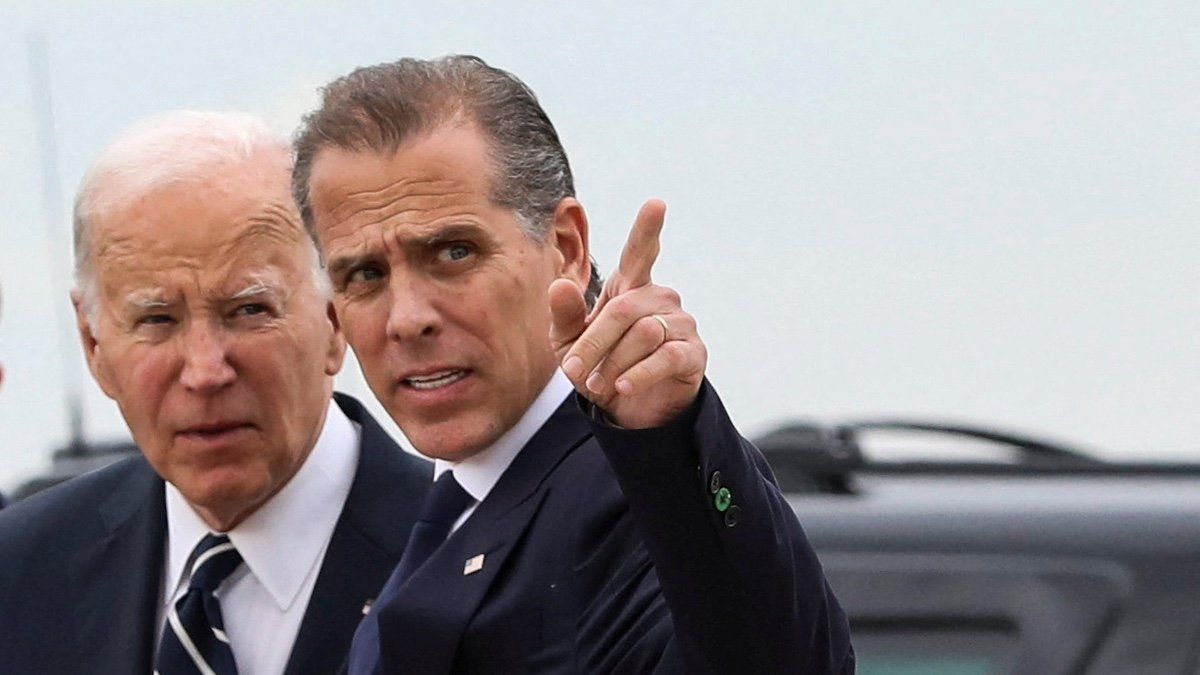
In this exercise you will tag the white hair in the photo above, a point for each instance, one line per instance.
(159, 151)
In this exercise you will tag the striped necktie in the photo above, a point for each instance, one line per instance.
(194, 640)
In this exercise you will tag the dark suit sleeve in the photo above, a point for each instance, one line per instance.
(746, 591)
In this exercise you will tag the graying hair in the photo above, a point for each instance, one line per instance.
(166, 149)
(377, 108)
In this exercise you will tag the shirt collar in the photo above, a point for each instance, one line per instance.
(285, 539)
(480, 472)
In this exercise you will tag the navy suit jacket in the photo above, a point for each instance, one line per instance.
(81, 564)
(604, 552)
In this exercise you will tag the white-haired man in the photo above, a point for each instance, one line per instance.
(260, 516)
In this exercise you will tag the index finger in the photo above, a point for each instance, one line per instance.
(641, 249)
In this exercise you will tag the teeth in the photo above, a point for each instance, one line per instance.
(435, 380)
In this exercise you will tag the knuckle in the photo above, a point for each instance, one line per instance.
(671, 295)
(622, 309)
(643, 373)
(701, 361)
(686, 323)
(611, 368)
(587, 346)
(676, 352)
(648, 330)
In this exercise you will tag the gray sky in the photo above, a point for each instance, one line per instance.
(973, 211)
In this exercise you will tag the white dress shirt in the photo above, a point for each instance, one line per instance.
(282, 546)
(479, 473)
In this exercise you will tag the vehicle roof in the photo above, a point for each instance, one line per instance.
(1127, 517)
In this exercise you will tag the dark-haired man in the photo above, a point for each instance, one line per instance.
(627, 528)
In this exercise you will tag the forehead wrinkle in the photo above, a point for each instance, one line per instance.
(115, 246)
(395, 199)
(275, 222)
(279, 211)
(254, 234)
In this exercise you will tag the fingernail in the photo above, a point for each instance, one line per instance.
(624, 387)
(595, 383)
(573, 367)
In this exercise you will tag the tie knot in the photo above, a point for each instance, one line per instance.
(214, 559)
(446, 501)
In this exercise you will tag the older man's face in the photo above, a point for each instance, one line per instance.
(211, 334)
(441, 293)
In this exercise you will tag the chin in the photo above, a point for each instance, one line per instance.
(227, 492)
(451, 441)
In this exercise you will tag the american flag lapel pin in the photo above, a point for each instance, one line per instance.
(473, 565)
(367, 606)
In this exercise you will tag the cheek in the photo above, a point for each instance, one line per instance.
(518, 316)
(143, 382)
(364, 324)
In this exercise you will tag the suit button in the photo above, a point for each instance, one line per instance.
(731, 516)
(723, 499)
(714, 483)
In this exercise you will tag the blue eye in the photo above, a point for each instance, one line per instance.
(364, 274)
(251, 309)
(456, 252)
(155, 319)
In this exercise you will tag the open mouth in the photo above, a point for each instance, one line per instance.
(443, 378)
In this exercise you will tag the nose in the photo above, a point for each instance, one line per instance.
(206, 366)
(413, 314)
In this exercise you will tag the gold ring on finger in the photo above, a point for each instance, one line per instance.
(662, 322)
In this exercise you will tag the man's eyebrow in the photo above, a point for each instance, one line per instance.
(146, 299)
(450, 233)
(341, 263)
(256, 288)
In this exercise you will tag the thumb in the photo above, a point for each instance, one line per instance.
(568, 314)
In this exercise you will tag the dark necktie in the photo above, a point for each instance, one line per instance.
(193, 639)
(443, 505)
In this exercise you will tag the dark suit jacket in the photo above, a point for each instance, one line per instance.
(81, 564)
(603, 552)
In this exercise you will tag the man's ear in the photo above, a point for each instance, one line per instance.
(91, 347)
(337, 342)
(569, 236)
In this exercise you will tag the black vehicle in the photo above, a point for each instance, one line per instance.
(1043, 560)
(1040, 559)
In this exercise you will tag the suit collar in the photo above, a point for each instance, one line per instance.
(299, 519)
(566, 429)
(480, 472)
(436, 603)
(117, 579)
(382, 497)
(368, 540)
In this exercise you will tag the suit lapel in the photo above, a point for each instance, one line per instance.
(117, 581)
(422, 629)
(367, 542)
